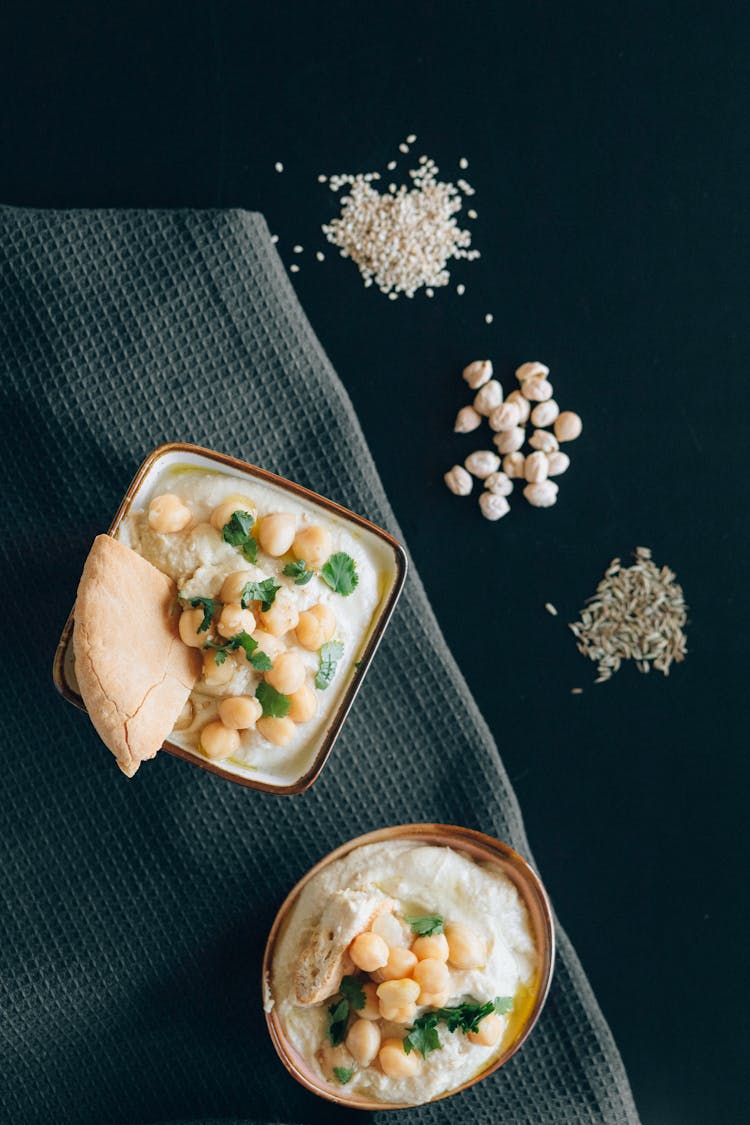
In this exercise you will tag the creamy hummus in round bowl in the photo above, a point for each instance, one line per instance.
(407, 965)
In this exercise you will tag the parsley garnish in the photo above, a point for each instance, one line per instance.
(330, 654)
(423, 1036)
(237, 533)
(353, 997)
(264, 592)
(340, 573)
(259, 660)
(208, 605)
(343, 1074)
(426, 924)
(274, 704)
(298, 571)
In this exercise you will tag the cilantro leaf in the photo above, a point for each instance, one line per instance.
(352, 991)
(330, 654)
(264, 592)
(237, 534)
(343, 1074)
(298, 571)
(338, 1018)
(423, 1036)
(272, 701)
(426, 924)
(220, 655)
(243, 640)
(208, 605)
(340, 573)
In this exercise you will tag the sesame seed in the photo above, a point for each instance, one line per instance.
(403, 147)
(391, 165)
(274, 238)
(463, 162)
(321, 257)
(430, 292)
(297, 249)
(393, 296)
(294, 269)
(550, 608)
(322, 179)
(411, 138)
(576, 691)
(460, 289)
(279, 166)
(472, 214)
(488, 318)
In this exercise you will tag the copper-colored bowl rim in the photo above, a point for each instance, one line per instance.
(470, 840)
(385, 612)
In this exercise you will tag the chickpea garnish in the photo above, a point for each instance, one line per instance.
(217, 674)
(394, 994)
(276, 533)
(405, 1014)
(400, 964)
(240, 712)
(233, 619)
(303, 704)
(278, 731)
(222, 513)
(268, 643)
(315, 626)
(313, 544)
(465, 946)
(371, 1010)
(218, 741)
(369, 952)
(489, 1032)
(287, 674)
(190, 622)
(167, 514)
(394, 1061)
(233, 585)
(281, 617)
(433, 978)
(363, 1041)
(434, 947)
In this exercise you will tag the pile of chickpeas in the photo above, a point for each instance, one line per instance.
(273, 629)
(405, 972)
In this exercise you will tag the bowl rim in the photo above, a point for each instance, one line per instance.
(385, 611)
(479, 845)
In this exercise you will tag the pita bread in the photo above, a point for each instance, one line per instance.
(324, 961)
(134, 672)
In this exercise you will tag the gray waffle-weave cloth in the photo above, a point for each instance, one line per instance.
(134, 913)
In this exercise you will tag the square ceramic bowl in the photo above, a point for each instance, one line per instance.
(386, 554)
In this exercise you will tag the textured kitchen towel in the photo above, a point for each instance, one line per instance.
(134, 913)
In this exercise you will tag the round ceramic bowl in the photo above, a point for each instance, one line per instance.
(477, 846)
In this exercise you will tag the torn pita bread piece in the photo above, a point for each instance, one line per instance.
(325, 960)
(134, 672)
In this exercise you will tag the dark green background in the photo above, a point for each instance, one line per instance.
(608, 147)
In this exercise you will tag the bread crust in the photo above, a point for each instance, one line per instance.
(325, 960)
(134, 672)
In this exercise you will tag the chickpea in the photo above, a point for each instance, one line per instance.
(185, 717)
(544, 413)
(303, 704)
(222, 513)
(218, 741)
(363, 1041)
(434, 948)
(316, 626)
(536, 467)
(330, 1057)
(406, 1014)
(269, 644)
(233, 585)
(465, 946)
(278, 731)
(217, 674)
(233, 620)
(397, 993)
(190, 622)
(371, 1010)
(523, 405)
(400, 964)
(240, 712)
(433, 978)
(287, 674)
(369, 952)
(276, 533)
(281, 617)
(390, 929)
(490, 1030)
(394, 1061)
(568, 426)
(313, 544)
(167, 514)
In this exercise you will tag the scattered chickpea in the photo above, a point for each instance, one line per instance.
(281, 617)
(568, 426)
(240, 712)
(190, 622)
(433, 979)
(394, 1061)
(508, 441)
(458, 481)
(303, 704)
(233, 585)
(542, 494)
(217, 674)
(276, 533)
(405, 1014)
(490, 1030)
(533, 370)
(467, 420)
(557, 463)
(278, 731)
(465, 946)
(535, 469)
(388, 927)
(537, 390)
(493, 507)
(218, 741)
(505, 417)
(287, 674)
(363, 1041)
(513, 464)
(544, 413)
(523, 405)
(222, 513)
(371, 1010)
(315, 626)
(482, 463)
(272, 646)
(499, 483)
(313, 544)
(167, 514)
(434, 947)
(397, 993)
(369, 952)
(478, 373)
(233, 619)
(488, 397)
(401, 962)
(544, 440)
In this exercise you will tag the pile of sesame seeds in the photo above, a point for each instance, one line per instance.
(637, 613)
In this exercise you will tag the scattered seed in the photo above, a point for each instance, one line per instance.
(460, 289)
(576, 691)
(472, 214)
(274, 238)
(322, 179)
(411, 138)
(320, 256)
(463, 162)
(403, 148)
(279, 166)
(294, 269)
(488, 318)
(391, 165)
(550, 608)
(430, 292)
(297, 249)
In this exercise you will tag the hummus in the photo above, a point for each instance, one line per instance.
(199, 558)
(416, 882)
